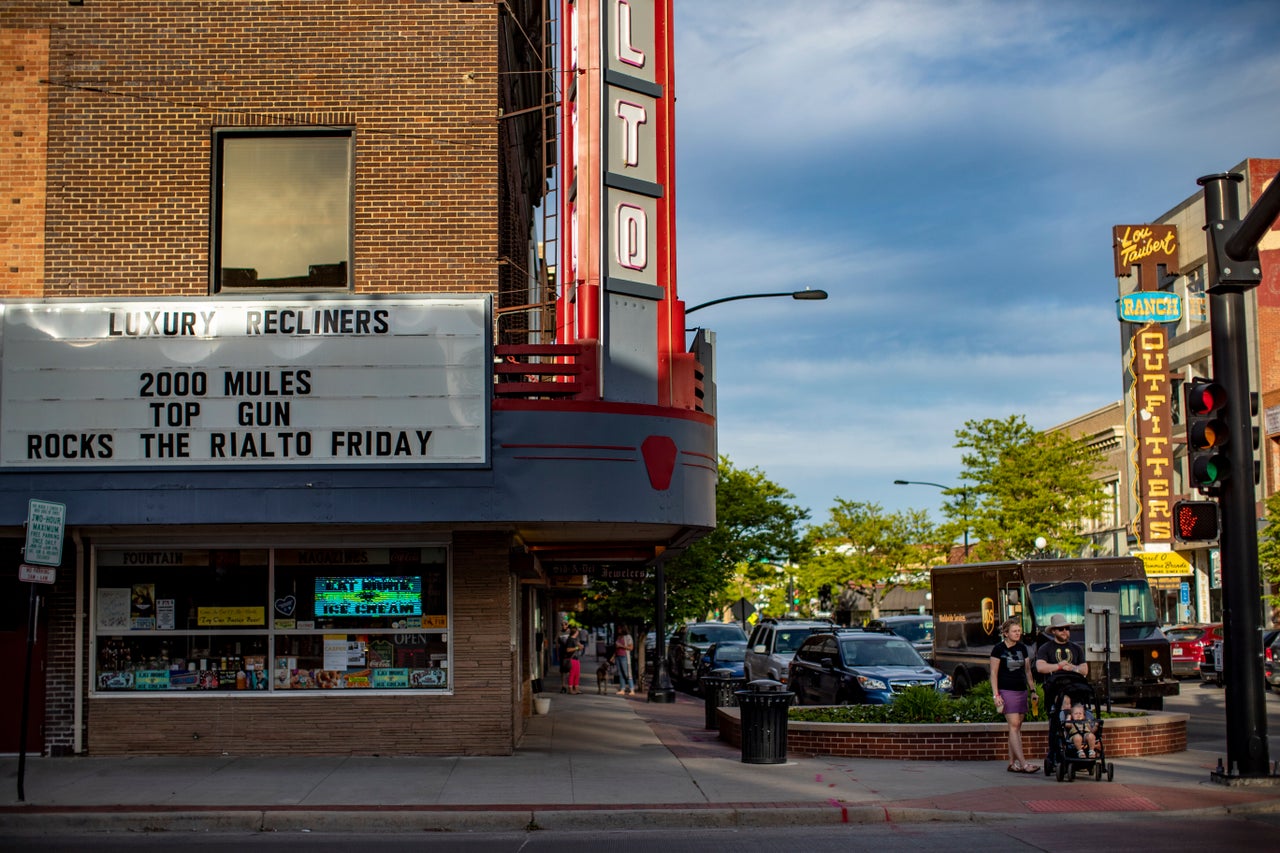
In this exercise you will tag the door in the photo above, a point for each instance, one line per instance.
(15, 598)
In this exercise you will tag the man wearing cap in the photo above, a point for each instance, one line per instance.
(1054, 660)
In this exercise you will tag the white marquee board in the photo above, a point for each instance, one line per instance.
(294, 382)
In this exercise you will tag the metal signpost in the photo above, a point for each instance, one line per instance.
(46, 522)
(1233, 269)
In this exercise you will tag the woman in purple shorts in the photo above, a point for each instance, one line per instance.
(1010, 668)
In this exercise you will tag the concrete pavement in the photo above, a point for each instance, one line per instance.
(593, 761)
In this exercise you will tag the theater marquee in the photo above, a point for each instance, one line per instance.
(305, 383)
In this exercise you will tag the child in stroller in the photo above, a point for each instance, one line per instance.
(1075, 732)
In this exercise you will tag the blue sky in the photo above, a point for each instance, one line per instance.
(949, 171)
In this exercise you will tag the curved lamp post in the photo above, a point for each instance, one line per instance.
(964, 500)
(805, 294)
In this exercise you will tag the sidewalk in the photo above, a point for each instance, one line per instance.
(567, 774)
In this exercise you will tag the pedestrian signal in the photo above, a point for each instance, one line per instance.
(1195, 521)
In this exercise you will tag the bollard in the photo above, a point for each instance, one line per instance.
(764, 705)
(718, 689)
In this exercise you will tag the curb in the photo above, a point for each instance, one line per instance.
(551, 818)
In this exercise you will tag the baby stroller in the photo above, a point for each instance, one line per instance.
(1064, 758)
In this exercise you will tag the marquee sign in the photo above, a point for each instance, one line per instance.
(298, 383)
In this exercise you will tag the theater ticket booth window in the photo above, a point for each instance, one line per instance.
(271, 620)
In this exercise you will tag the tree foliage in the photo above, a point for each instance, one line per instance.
(1022, 484)
(756, 524)
(878, 552)
(1269, 542)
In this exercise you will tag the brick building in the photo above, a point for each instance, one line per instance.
(272, 336)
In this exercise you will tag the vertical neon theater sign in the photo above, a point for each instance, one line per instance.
(1149, 248)
(617, 193)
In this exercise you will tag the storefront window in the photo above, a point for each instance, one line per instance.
(271, 620)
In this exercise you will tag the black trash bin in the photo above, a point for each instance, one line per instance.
(764, 705)
(718, 689)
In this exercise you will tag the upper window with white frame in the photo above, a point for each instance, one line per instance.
(282, 209)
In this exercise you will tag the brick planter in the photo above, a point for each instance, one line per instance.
(1154, 734)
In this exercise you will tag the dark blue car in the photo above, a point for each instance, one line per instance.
(859, 668)
(725, 655)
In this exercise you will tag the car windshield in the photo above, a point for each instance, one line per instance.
(916, 632)
(731, 653)
(1182, 635)
(1067, 598)
(789, 641)
(715, 634)
(891, 652)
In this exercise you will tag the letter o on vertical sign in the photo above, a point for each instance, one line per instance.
(631, 237)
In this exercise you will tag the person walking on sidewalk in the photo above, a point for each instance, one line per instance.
(1010, 668)
(622, 646)
(573, 653)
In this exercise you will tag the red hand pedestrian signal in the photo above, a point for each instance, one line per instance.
(1195, 521)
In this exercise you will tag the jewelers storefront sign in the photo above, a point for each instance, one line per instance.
(160, 383)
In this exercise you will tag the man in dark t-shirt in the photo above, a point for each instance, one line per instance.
(1053, 660)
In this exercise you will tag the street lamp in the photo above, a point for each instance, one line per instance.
(964, 501)
(805, 294)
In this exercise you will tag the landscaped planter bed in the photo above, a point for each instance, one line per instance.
(1156, 733)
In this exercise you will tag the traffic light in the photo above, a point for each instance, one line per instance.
(1195, 521)
(1208, 467)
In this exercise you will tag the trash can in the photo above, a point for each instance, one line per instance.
(764, 705)
(718, 688)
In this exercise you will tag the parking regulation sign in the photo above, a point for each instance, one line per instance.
(45, 522)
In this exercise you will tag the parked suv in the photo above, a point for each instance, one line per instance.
(689, 643)
(772, 644)
(859, 668)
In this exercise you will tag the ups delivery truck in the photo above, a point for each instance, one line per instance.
(971, 600)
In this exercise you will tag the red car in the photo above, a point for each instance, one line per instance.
(1188, 645)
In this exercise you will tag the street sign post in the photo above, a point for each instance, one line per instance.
(45, 523)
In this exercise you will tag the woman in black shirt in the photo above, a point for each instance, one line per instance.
(1010, 668)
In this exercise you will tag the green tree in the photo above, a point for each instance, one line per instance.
(1269, 542)
(878, 552)
(756, 523)
(1023, 484)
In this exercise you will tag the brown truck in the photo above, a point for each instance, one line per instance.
(972, 599)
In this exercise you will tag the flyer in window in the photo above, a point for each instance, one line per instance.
(113, 608)
(165, 614)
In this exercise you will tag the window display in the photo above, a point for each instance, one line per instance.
(271, 619)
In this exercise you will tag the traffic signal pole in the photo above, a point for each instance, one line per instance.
(1233, 269)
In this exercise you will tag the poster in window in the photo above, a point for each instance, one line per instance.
(113, 608)
(142, 607)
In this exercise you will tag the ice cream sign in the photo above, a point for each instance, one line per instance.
(1150, 306)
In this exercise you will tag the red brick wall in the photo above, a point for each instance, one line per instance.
(137, 87)
(1150, 735)
(23, 118)
(477, 720)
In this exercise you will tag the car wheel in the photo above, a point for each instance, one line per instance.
(1154, 703)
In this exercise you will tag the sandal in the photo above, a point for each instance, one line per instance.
(1031, 768)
